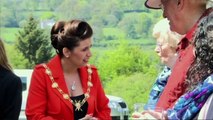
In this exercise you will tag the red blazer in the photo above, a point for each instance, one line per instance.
(46, 103)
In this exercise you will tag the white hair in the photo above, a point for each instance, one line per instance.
(162, 30)
(209, 4)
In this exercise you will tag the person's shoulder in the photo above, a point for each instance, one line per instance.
(39, 66)
(10, 74)
(12, 78)
(38, 69)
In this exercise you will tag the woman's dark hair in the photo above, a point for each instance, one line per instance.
(69, 34)
(202, 66)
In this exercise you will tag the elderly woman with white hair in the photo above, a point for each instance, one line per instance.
(166, 45)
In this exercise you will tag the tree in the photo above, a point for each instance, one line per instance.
(126, 59)
(33, 43)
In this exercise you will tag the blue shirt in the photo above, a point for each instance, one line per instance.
(158, 88)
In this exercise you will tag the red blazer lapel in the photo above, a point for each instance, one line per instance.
(56, 69)
(84, 79)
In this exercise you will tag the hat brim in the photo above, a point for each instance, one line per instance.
(153, 4)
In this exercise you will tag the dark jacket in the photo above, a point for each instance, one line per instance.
(10, 95)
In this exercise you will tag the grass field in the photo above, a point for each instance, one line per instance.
(8, 34)
(114, 32)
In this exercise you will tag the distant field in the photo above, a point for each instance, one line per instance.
(120, 35)
(114, 32)
(8, 34)
(42, 15)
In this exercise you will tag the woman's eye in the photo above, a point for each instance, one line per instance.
(85, 49)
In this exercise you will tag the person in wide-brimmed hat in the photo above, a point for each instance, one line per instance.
(184, 16)
(156, 4)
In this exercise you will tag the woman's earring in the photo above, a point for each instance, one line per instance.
(176, 54)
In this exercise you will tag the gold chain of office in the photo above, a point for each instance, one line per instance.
(55, 85)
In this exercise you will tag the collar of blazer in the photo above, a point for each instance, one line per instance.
(63, 93)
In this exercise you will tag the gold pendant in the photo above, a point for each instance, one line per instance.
(78, 105)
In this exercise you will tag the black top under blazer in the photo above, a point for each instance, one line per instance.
(10, 95)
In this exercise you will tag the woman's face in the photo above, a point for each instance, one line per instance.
(80, 55)
(166, 53)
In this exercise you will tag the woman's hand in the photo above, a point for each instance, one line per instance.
(143, 116)
(157, 115)
(136, 115)
(89, 117)
(147, 115)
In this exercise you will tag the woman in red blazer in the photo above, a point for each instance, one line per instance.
(68, 88)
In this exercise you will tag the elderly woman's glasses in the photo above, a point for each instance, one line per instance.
(159, 46)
